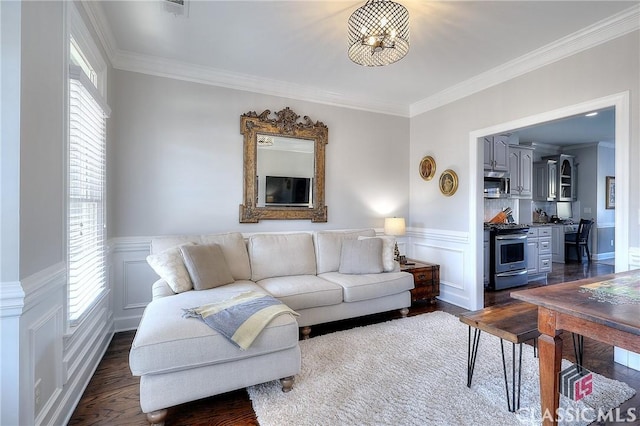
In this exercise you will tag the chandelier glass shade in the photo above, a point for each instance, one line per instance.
(378, 33)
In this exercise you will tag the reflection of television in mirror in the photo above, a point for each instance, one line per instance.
(563, 210)
(287, 190)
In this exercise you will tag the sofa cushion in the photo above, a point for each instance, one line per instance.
(232, 244)
(388, 248)
(235, 251)
(370, 286)
(207, 266)
(328, 246)
(165, 341)
(361, 256)
(303, 291)
(169, 265)
(279, 255)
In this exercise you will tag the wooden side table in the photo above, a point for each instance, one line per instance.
(426, 280)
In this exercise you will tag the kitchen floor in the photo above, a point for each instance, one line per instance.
(561, 272)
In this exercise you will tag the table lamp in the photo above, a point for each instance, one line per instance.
(395, 226)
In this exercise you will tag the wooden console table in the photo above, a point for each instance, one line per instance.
(571, 307)
(426, 280)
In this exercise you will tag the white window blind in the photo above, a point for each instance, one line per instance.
(87, 190)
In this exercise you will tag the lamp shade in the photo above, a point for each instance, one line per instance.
(394, 226)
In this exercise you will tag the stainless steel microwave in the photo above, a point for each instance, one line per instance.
(497, 184)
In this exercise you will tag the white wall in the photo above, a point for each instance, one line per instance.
(11, 293)
(176, 160)
(40, 354)
(444, 133)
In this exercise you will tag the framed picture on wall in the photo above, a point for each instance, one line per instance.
(611, 192)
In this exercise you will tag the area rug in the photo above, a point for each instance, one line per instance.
(412, 371)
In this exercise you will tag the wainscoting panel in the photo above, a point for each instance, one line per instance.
(132, 281)
(604, 236)
(135, 272)
(451, 277)
(52, 373)
(450, 250)
(45, 344)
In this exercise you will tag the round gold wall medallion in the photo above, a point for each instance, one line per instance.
(427, 167)
(448, 182)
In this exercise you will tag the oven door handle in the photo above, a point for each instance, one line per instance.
(512, 273)
(511, 237)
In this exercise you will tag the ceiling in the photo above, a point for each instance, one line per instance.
(299, 48)
(580, 129)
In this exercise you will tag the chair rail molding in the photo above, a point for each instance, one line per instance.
(11, 299)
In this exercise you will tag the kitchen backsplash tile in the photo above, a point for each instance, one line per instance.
(493, 206)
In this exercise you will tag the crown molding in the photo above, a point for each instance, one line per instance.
(129, 61)
(539, 146)
(601, 32)
(161, 67)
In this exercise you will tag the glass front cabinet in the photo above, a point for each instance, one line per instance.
(565, 176)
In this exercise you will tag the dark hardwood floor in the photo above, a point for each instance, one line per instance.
(111, 397)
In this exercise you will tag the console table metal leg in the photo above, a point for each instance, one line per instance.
(471, 353)
(513, 398)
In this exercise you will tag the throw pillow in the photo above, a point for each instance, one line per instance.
(169, 265)
(361, 256)
(207, 266)
(388, 247)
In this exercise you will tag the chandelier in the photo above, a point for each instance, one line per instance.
(378, 33)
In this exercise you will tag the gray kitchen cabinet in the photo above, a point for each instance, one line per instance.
(566, 177)
(496, 153)
(557, 240)
(521, 171)
(539, 251)
(545, 180)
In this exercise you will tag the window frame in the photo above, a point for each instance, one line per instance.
(78, 32)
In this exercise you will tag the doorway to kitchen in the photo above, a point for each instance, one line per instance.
(620, 103)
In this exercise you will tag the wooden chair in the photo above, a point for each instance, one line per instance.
(579, 240)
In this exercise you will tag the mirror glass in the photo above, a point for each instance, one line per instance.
(283, 167)
(284, 171)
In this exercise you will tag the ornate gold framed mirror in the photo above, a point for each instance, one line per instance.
(284, 163)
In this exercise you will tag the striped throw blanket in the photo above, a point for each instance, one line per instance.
(241, 318)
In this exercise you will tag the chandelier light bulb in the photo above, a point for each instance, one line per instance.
(383, 21)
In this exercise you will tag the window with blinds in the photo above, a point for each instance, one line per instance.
(86, 194)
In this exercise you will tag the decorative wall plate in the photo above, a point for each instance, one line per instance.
(448, 182)
(427, 167)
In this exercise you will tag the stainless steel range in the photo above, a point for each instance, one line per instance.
(508, 263)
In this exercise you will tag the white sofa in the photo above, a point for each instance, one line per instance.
(180, 360)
